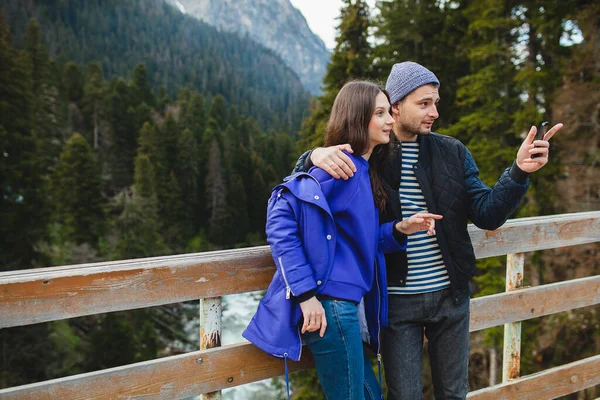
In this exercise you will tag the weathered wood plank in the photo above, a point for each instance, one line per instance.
(166, 378)
(51, 294)
(533, 302)
(537, 233)
(47, 294)
(548, 384)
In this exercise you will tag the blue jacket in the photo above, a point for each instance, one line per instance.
(302, 234)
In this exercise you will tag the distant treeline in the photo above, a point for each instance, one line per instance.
(176, 49)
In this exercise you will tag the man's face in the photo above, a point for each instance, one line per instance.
(415, 114)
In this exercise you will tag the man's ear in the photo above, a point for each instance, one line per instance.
(395, 109)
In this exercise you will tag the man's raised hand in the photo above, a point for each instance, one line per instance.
(531, 146)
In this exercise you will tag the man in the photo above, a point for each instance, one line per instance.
(429, 283)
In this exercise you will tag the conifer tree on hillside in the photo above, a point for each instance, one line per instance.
(170, 136)
(351, 59)
(235, 174)
(194, 119)
(72, 82)
(188, 177)
(120, 150)
(137, 229)
(93, 93)
(23, 204)
(212, 156)
(216, 196)
(539, 76)
(46, 100)
(141, 89)
(72, 86)
(487, 97)
(77, 192)
(428, 32)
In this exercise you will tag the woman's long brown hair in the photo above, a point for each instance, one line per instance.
(351, 113)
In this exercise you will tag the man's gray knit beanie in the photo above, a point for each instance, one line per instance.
(406, 77)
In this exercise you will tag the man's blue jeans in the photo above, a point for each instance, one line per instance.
(344, 370)
(446, 326)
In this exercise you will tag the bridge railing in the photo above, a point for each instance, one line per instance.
(49, 294)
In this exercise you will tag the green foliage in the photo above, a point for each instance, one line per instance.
(77, 191)
(176, 50)
(72, 82)
(306, 386)
(429, 32)
(136, 229)
(351, 59)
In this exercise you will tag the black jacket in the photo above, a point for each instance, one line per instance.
(450, 182)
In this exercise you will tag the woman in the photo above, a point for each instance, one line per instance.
(328, 247)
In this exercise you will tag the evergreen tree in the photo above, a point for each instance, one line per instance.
(46, 100)
(78, 192)
(188, 178)
(119, 151)
(140, 86)
(72, 82)
(170, 138)
(136, 229)
(194, 119)
(216, 197)
(93, 95)
(173, 215)
(351, 59)
(488, 97)
(234, 177)
(23, 206)
(112, 342)
(145, 179)
(429, 32)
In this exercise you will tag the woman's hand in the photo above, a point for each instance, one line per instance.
(314, 316)
(418, 222)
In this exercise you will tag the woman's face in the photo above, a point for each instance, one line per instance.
(381, 122)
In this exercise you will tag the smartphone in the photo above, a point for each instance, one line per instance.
(542, 129)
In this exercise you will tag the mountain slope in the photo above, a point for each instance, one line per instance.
(276, 24)
(178, 51)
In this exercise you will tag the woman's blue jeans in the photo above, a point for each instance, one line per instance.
(344, 370)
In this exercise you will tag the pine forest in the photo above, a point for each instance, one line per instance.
(129, 130)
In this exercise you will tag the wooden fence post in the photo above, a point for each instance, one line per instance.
(511, 358)
(210, 332)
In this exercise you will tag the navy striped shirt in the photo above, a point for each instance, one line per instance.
(426, 269)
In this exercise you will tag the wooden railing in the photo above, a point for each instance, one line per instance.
(49, 294)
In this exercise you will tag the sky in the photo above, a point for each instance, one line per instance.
(321, 17)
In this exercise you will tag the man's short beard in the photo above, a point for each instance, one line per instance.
(414, 132)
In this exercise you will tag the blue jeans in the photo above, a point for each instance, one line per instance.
(446, 326)
(344, 370)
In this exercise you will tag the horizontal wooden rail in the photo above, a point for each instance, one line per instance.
(533, 302)
(548, 384)
(48, 294)
(228, 366)
(165, 378)
(537, 233)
